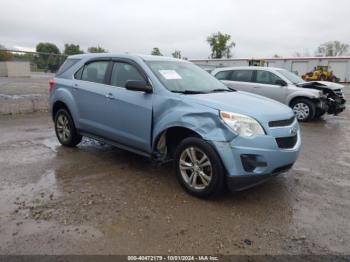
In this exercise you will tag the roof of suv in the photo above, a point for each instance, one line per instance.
(248, 67)
(131, 56)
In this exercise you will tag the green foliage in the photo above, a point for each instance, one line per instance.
(48, 61)
(24, 57)
(220, 45)
(332, 48)
(72, 49)
(96, 49)
(156, 51)
(4, 55)
(47, 48)
(177, 54)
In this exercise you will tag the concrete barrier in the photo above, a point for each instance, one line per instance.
(15, 69)
(19, 104)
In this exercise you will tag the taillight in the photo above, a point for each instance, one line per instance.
(52, 85)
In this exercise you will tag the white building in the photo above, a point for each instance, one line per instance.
(300, 65)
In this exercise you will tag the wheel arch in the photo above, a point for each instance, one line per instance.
(166, 141)
(59, 104)
(64, 99)
(300, 97)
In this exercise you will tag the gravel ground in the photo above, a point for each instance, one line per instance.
(96, 199)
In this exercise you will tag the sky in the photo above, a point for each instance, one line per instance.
(260, 28)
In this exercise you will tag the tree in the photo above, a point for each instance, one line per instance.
(51, 59)
(96, 49)
(177, 54)
(4, 55)
(220, 45)
(332, 48)
(276, 56)
(72, 49)
(156, 51)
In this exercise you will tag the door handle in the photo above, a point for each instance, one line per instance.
(109, 96)
(75, 86)
(257, 86)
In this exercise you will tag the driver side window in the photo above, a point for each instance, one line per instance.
(123, 72)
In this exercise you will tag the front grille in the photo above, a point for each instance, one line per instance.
(339, 93)
(286, 142)
(285, 122)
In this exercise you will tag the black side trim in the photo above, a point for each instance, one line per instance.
(116, 144)
(285, 122)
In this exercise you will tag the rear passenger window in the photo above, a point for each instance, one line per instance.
(242, 75)
(265, 77)
(95, 72)
(223, 75)
(123, 72)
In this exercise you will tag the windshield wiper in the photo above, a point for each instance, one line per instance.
(221, 90)
(188, 92)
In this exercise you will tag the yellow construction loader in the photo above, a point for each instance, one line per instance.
(321, 73)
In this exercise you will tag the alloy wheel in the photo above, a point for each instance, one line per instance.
(301, 110)
(195, 168)
(63, 129)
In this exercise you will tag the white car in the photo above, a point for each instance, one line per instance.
(307, 99)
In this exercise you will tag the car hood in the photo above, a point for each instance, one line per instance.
(261, 108)
(322, 84)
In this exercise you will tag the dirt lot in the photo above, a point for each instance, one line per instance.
(96, 199)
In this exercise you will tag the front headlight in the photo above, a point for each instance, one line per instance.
(242, 125)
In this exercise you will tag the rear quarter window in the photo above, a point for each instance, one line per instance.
(66, 65)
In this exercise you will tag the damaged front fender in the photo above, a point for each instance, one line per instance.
(177, 112)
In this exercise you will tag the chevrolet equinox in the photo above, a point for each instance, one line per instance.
(170, 109)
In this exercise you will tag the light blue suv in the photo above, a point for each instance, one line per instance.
(170, 109)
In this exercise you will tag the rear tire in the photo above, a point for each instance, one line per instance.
(304, 109)
(65, 129)
(198, 168)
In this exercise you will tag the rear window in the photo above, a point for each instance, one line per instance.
(66, 65)
(95, 72)
(242, 75)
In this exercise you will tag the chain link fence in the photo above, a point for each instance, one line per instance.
(39, 61)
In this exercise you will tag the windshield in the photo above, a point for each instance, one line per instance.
(291, 76)
(184, 77)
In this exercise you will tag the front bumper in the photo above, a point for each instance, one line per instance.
(270, 160)
(332, 106)
(239, 183)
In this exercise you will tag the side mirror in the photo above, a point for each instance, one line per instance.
(137, 85)
(280, 82)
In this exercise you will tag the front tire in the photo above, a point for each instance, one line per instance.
(304, 109)
(198, 168)
(319, 113)
(65, 129)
